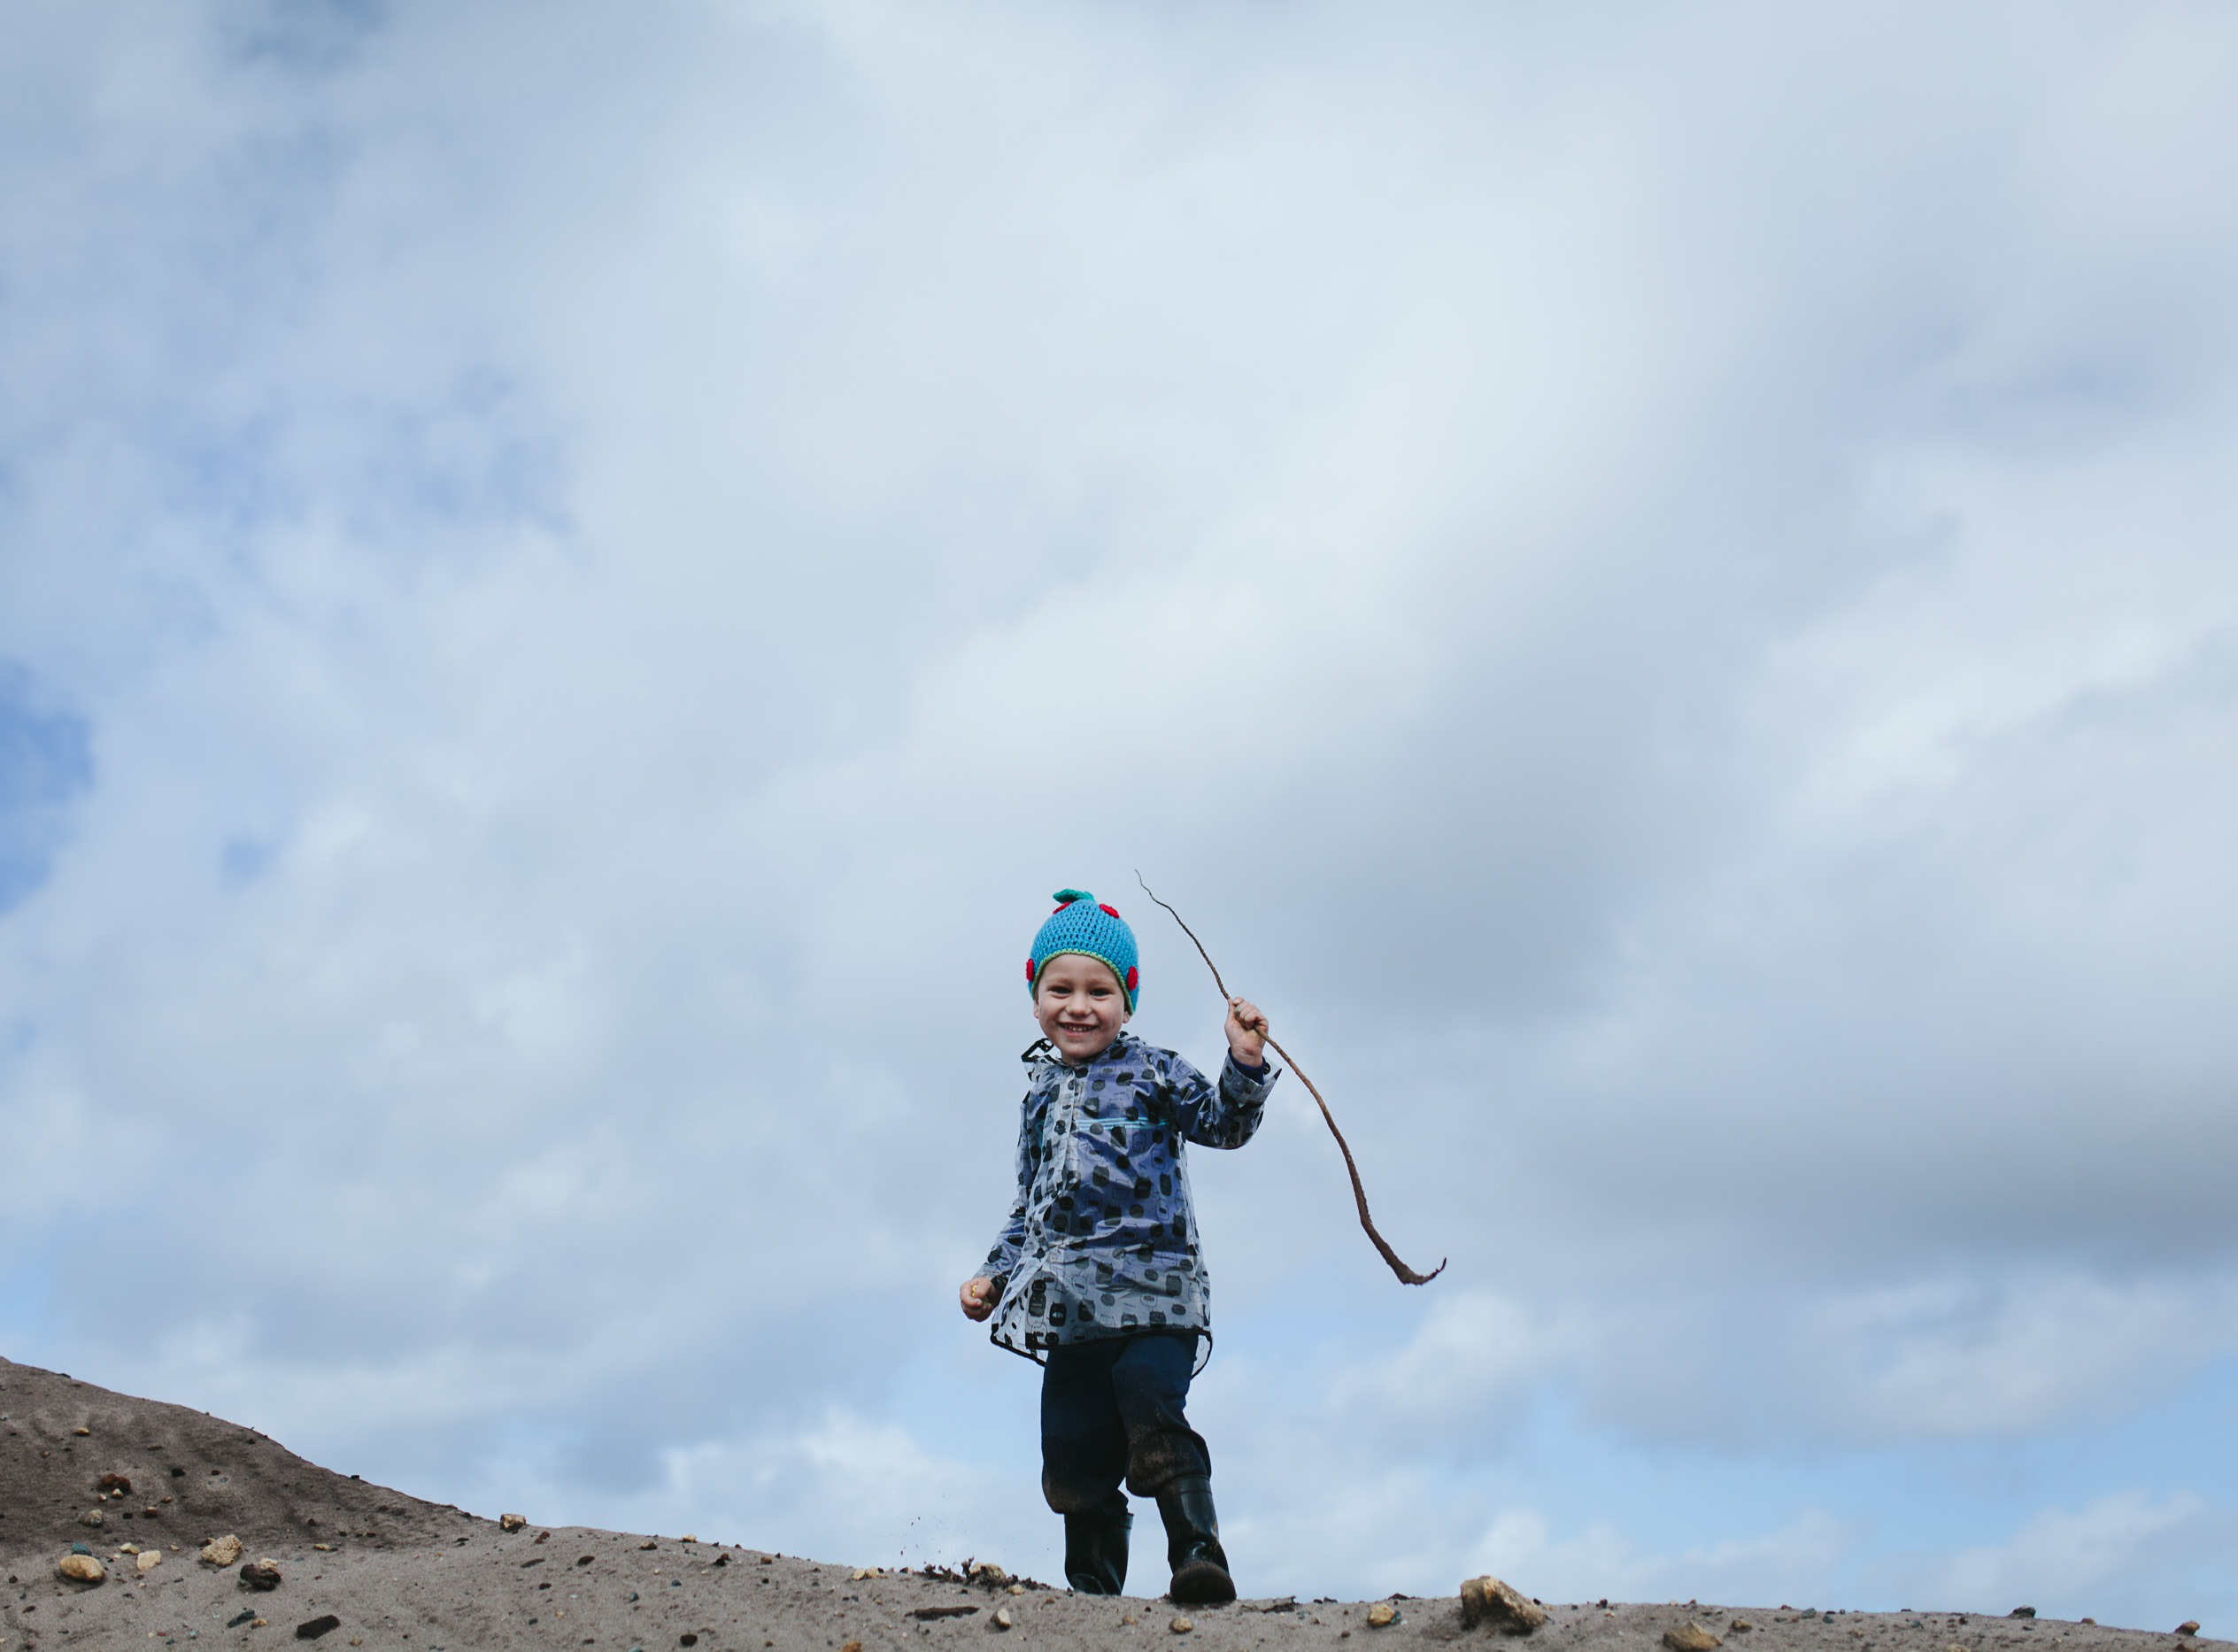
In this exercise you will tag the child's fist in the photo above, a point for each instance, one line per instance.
(978, 1297)
(1246, 1032)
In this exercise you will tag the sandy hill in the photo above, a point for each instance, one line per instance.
(141, 1488)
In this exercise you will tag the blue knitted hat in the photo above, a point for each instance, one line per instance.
(1080, 924)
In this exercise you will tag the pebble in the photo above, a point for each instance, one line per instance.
(1016, 1589)
(1690, 1638)
(222, 1551)
(84, 1431)
(2023, 1611)
(1002, 1619)
(1181, 1625)
(318, 1626)
(261, 1574)
(1742, 1626)
(150, 1560)
(2189, 1626)
(512, 1523)
(1487, 1599)
(93, 1516)
(81, 1568)
(1382, 1615)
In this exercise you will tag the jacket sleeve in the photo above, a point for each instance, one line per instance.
(1226, 1118)
(1003, 1256)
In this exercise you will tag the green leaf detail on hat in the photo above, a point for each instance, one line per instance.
(1065, 897)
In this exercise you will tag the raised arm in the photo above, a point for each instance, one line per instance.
(1225, 1116)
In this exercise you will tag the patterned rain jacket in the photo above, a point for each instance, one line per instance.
(1102, 1240)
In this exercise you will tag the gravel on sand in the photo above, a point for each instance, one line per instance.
(362, 1565)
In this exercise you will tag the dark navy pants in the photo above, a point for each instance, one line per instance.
(1113, 1409)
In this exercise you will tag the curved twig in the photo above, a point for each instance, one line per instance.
(1407, 1276)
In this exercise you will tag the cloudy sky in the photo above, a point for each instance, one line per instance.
(1656, 581)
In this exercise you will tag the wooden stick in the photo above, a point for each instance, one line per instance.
(1407, 1276)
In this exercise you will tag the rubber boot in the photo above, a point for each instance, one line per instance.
(1193, 1545)
(1096, 1549)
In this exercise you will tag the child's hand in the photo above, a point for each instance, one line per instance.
(1246, 1032)
(978, 1297)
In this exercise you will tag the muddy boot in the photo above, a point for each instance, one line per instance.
(1193, 1545)
(1096, 1550)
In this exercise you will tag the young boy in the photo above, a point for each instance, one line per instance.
(1097, 1273)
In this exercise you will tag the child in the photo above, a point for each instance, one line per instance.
(1097, 1273)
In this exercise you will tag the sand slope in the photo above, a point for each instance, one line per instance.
(399, 1572)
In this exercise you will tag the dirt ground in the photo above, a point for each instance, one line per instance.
(393, 1571)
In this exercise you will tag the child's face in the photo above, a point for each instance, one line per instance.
(1080, 1006)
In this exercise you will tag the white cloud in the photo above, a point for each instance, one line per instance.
(2120, 1560)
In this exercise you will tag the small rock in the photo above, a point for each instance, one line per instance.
(1690, 1638)
(85, 1431)
(150, 1560)
(240, 1616)
(318, 1626)
(1128, 1620)
(1957, 1646)
(512, 1523)
(1002, 1618)
(260, 1623)
(649, 1543)
(2024, 1612)
(129, 1548)
(222, 1551)
(114, 1483)
(1742, 1626)
(541, 1536)
(2189, 1626)
(81, 1568)
(1015, 1588)
(687, 1640)
(1181, 1625)
(261, 1574)
(690, 1538)
(1488, 1600)
(852, 1646)
(1382, 1615)
(93, 1516)
(324, 1548)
